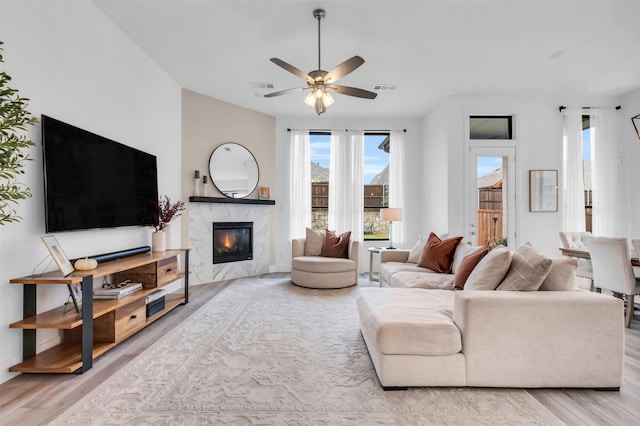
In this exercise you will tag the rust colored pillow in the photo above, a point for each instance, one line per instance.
(467, 265)
(438, 254)
(336, 246)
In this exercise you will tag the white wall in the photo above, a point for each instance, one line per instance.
(538, 129)
(629, 153)
(413, 179)
(76, 65)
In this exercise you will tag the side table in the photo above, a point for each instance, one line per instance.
(372, 251)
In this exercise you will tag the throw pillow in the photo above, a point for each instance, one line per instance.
(313, 242)
(438, 254)
(490, 270)
(336, 246)
(467, 265)
(562, 276)
(528, 269)
(416, 251)
(462, 250)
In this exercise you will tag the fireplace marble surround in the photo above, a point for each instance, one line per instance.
(202, 214)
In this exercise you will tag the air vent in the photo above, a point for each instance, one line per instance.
(261, 85)
(384, 87)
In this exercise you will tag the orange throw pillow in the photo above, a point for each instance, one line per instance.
(335, 246)
(467, 265)
(438, 254)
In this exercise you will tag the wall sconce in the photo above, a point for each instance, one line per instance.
(636, 123)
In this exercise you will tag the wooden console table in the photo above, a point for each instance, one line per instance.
(102, 324)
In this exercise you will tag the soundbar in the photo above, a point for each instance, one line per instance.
(120, 254)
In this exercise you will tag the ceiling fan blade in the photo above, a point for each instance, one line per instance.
(343, 69)
(286, 91)
(292, 69)
(353, 91)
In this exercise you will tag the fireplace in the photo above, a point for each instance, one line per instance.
(232, 241)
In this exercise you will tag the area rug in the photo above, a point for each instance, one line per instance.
(267, 352)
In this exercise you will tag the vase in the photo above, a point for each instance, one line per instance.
(168, 231)
(158, 242)
(196, 187)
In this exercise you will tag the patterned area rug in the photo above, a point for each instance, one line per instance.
(267, 352)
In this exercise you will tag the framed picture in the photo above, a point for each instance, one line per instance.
(263, 193)
(58, 255)
(543, 190)
(75, 292)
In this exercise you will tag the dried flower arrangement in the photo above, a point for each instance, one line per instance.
(166, 211)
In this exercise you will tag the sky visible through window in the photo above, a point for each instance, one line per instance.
(375, 160)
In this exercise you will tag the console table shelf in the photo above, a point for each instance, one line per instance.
(103, 323)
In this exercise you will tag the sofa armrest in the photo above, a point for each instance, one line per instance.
(541, 338)
(354, 251)
(297, 247)
(394, 255)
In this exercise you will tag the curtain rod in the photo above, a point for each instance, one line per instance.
(346, 130)
(561, 107)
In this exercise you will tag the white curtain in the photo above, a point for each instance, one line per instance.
(573, 172)
(299, 184)
(604, 174)
(346, 191)
(397, 152)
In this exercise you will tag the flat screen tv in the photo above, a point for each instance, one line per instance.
(93, 182)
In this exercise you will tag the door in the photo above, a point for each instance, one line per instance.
(490, 212)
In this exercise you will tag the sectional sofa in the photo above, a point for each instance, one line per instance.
(543, 333)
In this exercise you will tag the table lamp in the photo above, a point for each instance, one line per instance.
(391, 215)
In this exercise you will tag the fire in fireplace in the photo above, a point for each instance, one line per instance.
(232, 241)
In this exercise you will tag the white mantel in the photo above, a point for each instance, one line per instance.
(201, 218)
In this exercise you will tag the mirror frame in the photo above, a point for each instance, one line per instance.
(213, 176)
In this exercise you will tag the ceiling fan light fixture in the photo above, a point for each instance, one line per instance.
(320, 81)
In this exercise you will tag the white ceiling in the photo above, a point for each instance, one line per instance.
(430, 49)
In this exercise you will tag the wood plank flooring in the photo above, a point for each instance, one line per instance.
(35, 399)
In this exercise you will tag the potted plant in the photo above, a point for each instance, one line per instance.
(14, 120)
(165, 212)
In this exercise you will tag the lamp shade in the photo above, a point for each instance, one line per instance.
(636, 123)
(391, 214)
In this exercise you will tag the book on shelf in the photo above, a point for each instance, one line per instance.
(118, 292)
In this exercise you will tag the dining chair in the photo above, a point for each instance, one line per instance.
(577, 240)
(612, 270)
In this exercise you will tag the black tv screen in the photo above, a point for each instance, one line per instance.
(93, 182)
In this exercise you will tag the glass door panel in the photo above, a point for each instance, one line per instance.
(491, 195)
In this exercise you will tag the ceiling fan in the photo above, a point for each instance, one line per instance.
(320, 82)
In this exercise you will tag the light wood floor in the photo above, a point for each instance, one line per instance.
(35, 399)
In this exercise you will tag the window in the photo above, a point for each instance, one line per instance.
(376, 182)
(376, 185)
(320, 150)
(489, 127)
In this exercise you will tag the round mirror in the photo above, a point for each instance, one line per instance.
(233, 170)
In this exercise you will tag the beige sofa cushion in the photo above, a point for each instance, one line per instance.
(416, 251)
(562, 276)
(410, 321)
(388, 269)
(490, 270)
(313, 242)
(429, 280)
(322, 264)
(528, 269)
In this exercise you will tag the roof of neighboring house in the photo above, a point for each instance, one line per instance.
(319, 173)
(381, 178)
(491, 180)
